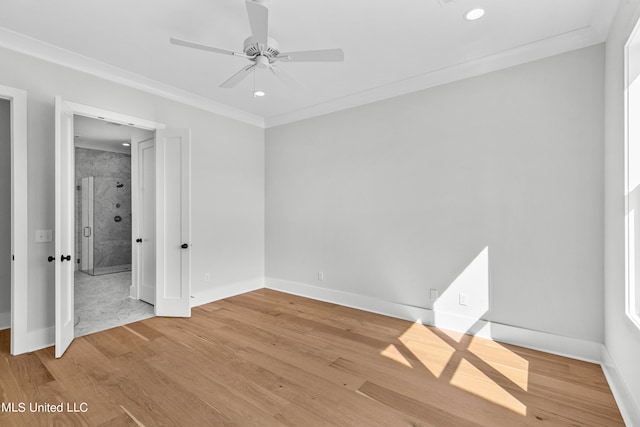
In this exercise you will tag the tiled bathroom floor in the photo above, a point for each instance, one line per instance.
(114, 269)
(102, 302)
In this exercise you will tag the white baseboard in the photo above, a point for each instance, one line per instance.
(629, 409)
(5, 320)
(226, 291)
(41, 338)
(564, 346)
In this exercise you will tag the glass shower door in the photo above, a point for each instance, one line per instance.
(86, 226)
(105, 226)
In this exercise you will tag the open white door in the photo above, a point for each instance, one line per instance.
(143, 179)
(173, 227)
(64, 225)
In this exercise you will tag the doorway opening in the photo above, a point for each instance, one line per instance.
(167, 159)
(104, 215)
(5, 218)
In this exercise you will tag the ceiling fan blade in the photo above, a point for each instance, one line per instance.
(205, 47)
(284, 77)
(238, 77)
(326, 55)
(259, 21)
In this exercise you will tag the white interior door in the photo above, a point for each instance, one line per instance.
(144, 220)
(64, 225)
(173, 228)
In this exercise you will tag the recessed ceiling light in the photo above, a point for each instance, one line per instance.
(126, 144)
(258, 94)
(474, 14)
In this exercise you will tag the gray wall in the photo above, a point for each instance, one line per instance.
(622, 338)
(5, 206)
(227, 176)
(400, 196)
(112, 240)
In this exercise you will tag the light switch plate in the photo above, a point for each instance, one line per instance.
(463, 299)
(44, 236)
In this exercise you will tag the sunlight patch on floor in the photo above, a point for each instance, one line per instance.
(503, 360)
(392, 352)
(471, 379)
(428, 348)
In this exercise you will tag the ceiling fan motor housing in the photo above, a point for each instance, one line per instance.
(251, 48)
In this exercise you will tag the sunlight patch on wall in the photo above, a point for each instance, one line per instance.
(467, 297)
(471, 379)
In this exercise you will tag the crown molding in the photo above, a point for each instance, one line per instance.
(36, 48)
(551, 46)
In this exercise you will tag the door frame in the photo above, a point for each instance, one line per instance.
(166, 141)
(111, 116)
(19, 218)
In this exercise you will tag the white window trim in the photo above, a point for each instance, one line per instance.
(632, 284)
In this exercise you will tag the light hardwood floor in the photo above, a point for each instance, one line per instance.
(267, 358)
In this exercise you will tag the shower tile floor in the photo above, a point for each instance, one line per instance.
(102, 302)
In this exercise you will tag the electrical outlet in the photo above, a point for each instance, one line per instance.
(320, 276)
(433, 294)
(207, 277)
(463, 299)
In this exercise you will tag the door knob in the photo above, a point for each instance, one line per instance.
(51, 258)
(63, 258)
(138, 240)
(184, 246)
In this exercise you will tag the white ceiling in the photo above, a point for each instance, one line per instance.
(390, 47)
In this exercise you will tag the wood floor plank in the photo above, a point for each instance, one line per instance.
(267, 358)
(316, 394)
(408, 405)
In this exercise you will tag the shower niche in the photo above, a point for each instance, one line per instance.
(105, 225)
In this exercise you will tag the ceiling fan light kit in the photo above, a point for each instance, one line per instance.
(474, 14)
(263, 51)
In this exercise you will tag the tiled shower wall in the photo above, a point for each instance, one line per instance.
(112, 240)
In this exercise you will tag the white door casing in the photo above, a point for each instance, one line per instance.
(64, 225)
(173, 228)
(144, 220)
(172, 206)
(19, 214)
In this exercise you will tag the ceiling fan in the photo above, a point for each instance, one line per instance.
(262, 51)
